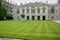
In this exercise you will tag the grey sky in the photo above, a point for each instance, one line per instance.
(27, 1)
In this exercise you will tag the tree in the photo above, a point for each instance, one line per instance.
(0, 3)
(3, 11)
(22, 17)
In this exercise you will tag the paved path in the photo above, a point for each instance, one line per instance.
(9, 39)
(57, 21)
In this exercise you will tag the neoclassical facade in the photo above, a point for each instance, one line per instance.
(34, 11)
(37, 11)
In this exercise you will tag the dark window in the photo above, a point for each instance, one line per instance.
(17, 11)
(52, 10)
(27, 10)
(32, 10)
(56, 11)
(38, 10)
(44, 10)
(23, 11)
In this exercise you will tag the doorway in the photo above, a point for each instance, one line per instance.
(44, 18)
(38, 17)
(27, 17)
(33, 18)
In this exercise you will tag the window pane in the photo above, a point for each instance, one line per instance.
(32, 10)
(52, 10)
(27, 10)
(44, 10)
(38, 10)
(17, 11)
(23, 11)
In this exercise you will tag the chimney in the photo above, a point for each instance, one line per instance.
(41, 1)
(30, 2)
(35, 1)
(58, 1)
(46, 1)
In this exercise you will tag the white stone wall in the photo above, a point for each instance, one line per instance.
(41, 14)
(48, 15)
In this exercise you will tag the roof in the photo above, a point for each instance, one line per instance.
(34, 4)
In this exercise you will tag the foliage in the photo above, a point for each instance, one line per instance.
(22, 15)
(3, 10)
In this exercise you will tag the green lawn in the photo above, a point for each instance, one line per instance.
(30, 30)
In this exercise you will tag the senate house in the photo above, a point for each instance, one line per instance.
(34, 11)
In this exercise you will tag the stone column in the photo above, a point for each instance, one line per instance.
(41, 13)
(25, 14)
(46, 13)
(41, 10)
(35, 17)
(36, 10)
(30, 16)
(20, 12)
(41, 17)
(46, 10)
(15, 13)
(46, 17)
(36, 13)
(56, 10)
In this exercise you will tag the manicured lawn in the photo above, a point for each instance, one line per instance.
(30, 30)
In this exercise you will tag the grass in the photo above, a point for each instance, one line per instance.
(30, 30)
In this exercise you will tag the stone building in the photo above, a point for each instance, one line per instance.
(36, 11)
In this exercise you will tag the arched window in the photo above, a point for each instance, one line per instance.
(38, 10)
(52, 10)
(32, 10)
(44, 9)
(27, 11)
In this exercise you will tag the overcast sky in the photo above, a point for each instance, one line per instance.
(27, 1)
